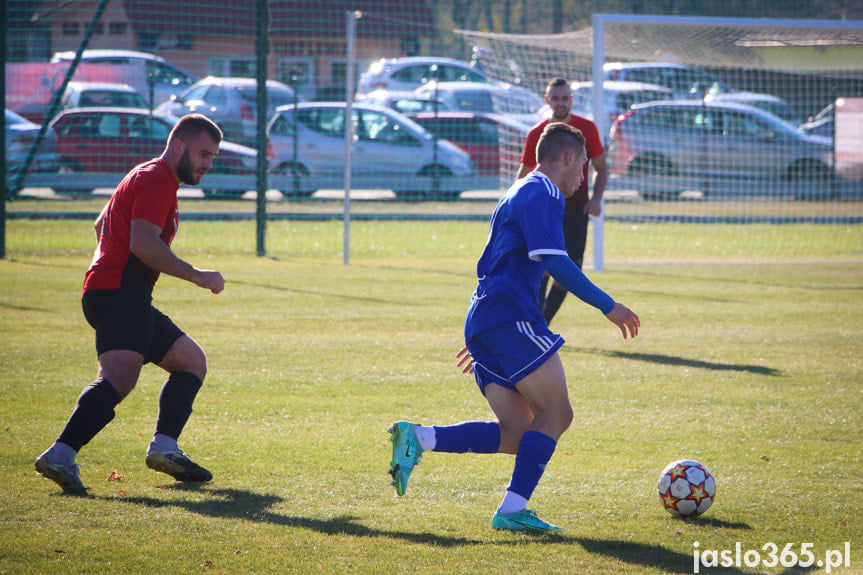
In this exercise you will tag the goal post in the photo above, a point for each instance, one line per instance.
(712, 164)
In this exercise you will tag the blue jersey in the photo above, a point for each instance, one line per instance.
(527, 224)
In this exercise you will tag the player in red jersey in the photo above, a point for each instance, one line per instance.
(135, 231)
(558, 96)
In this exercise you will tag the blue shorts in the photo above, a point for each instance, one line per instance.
(509, 352)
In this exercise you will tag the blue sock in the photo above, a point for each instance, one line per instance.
(534, 452)
(468, 437)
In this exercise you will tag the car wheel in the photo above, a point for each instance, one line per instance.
(430, 173)
(70, 168)
(813, 178)
(651, 165)
(295, 174)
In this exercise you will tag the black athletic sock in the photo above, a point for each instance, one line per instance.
(543, 287)
(93, 411)
(175, 402)
(552, 302)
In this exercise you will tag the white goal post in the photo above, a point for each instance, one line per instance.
(803, 65)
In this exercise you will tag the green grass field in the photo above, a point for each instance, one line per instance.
(753, 370)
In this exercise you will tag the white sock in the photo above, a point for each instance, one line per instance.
(61, 453)
(426, 436)
(162, 444)
(512, 503)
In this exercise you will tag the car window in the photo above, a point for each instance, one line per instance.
(163, 74)
(138, 127)
(409, 106)
(109, 126)
(665, 117)
(582, 99)
(458, 74)
(474, 101)
(737, 124)
(282, 126)
(378, 127)
(159, 130)
(414, 74)
(112, 98)
(487, 132)
(216, 96)
(327, 121)
(196, 93)
(71, 126)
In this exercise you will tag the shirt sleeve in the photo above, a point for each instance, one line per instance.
(153, 198)
(542, 220)
(528, 155)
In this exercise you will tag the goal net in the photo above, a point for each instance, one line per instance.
(728, 140)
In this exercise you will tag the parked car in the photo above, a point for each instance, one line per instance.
(486, 137)
(767, 102)
(406, 103)
(167, 79)
(712, 139)
(389, 151)
(20, 135)
(507, 99)
(618, 97)
(685, 81)
(95, 94)
(113, 140)
(412, 72)
(230, 102)
(821, 124)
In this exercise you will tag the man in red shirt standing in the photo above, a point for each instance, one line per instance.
(558, 96)
(135, 231)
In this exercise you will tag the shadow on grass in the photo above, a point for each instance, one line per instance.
(350, 297)
(249, 506)
(656, 557)
(678, 361)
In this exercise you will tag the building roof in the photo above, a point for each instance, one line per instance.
(287, 17)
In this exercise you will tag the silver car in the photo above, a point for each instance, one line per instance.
(412, 72)
(20, 136)
(230, 102)
(711, 140)
(389, 151)
(519, 103)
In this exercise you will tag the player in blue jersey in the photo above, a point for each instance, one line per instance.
(510, 349)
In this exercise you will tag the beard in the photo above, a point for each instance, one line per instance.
(186, 171)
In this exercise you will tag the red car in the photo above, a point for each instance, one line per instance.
(485, 137)
(114, 140)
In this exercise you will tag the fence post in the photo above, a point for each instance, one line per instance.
(261, 179)
(351, 18)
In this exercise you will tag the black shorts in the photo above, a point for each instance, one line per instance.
(575, 235)
(126, 319)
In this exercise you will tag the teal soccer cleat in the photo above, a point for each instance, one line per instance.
(407, 453)
(524, 520)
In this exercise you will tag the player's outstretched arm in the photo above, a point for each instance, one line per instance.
(625, 319)
(146, 244)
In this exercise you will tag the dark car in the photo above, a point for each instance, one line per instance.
(485, 137)
(113, 140)
(20, 135)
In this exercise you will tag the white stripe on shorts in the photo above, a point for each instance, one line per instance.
(544, 343)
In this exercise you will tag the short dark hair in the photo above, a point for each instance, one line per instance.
(557, 83)
(191, 125)
(556, 138)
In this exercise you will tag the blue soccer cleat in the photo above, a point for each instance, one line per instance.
(524, 520)
(407, 453)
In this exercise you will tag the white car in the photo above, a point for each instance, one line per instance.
(94, 94)
(412, 72)
(389, 151)
(506, 99)
(167, 79)
(618, 98)
(767, 102)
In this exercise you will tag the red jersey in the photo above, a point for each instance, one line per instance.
(592, 142)
(148, 192)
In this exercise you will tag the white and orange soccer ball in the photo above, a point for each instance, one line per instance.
(686, 488)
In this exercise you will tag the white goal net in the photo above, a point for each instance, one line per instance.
(752, 153)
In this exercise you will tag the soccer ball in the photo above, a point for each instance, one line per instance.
(686, 488)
